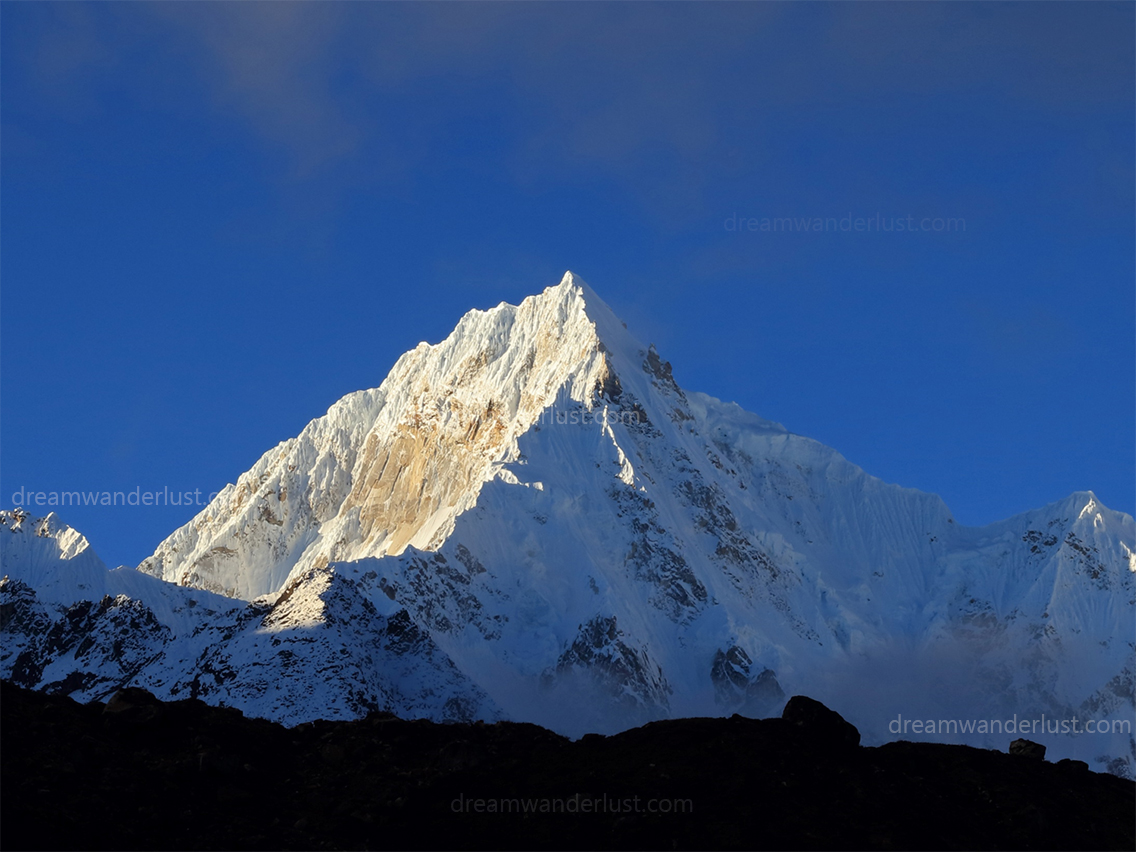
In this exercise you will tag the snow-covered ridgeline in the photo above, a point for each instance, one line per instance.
(568, 537)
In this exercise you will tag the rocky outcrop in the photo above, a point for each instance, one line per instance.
(826, 727)
(1028, 748)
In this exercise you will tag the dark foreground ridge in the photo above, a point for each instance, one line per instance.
(137, 773)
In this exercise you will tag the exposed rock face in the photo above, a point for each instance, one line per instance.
(738, 688)
(625, 673)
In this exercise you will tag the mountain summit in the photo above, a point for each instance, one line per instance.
(394, 467)
(532, 520)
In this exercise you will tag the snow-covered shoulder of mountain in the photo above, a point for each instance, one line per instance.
(57, 561)
(316, 650)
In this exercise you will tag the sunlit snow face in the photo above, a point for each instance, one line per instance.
(532, 520)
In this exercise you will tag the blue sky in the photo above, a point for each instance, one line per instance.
(217, 219)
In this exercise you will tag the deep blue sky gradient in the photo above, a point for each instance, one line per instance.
(217, 219)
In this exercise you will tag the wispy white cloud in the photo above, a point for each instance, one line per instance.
(669, 102)
(274, 65)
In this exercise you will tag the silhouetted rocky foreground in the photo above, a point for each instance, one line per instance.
(136, 773)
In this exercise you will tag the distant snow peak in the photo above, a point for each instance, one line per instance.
(42, 539)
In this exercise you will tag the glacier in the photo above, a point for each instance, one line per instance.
(531, 520)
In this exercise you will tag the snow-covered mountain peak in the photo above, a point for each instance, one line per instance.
(610, 330)
(574, 288)
(44, 539)
(394, 466)
(1081, 510)
(532, 519)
